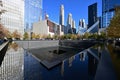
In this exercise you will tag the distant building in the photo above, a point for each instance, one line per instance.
(82, 27)
(82, 23)
(92, 14)
(99, 18)
(108, 11)
(73, 24)
(61, 15)
(70, 28)
(47, 27)
(13, 18)
(61, 21)
(69, 21)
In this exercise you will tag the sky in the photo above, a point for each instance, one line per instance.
(78, 9)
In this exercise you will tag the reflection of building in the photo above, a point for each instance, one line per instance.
(71, 60)
(82, 56)
(13, 65)
(62, 68)
(92, 64)
(33, 12)
(13, 18)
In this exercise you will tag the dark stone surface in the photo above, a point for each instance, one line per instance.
(49, 58)
(2, 53)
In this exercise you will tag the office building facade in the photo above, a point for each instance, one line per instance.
(13, 17)
(92, 14)
(33, 12)
(108, 11)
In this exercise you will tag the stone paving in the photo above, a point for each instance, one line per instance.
(105, 70)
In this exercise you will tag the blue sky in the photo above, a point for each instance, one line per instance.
(78, 8)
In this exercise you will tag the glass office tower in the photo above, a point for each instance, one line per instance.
(92, 14)
(13, 17)
(33, 12)
(108, 11)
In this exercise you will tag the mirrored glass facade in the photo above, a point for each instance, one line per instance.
(33, 12)
(12, 67)
(13, 18)
(108, 11)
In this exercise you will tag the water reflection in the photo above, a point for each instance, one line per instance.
(115, 56)
(18, 64)
(80, 66)
(14, 46)
(70, 60)
(83, 55)
(62, 68)
(12, 66)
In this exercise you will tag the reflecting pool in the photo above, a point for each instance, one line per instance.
(89, 64)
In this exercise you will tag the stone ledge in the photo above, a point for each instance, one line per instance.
(3, 45)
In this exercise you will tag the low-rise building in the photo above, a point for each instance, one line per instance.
(47, 27)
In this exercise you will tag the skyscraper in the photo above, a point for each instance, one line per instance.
(13, 18)
(82, 23)
(61, 21)
(69, 20)
(108, 11)
(73, 23)
(70, 25)
(33, 12)
(92, 14)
